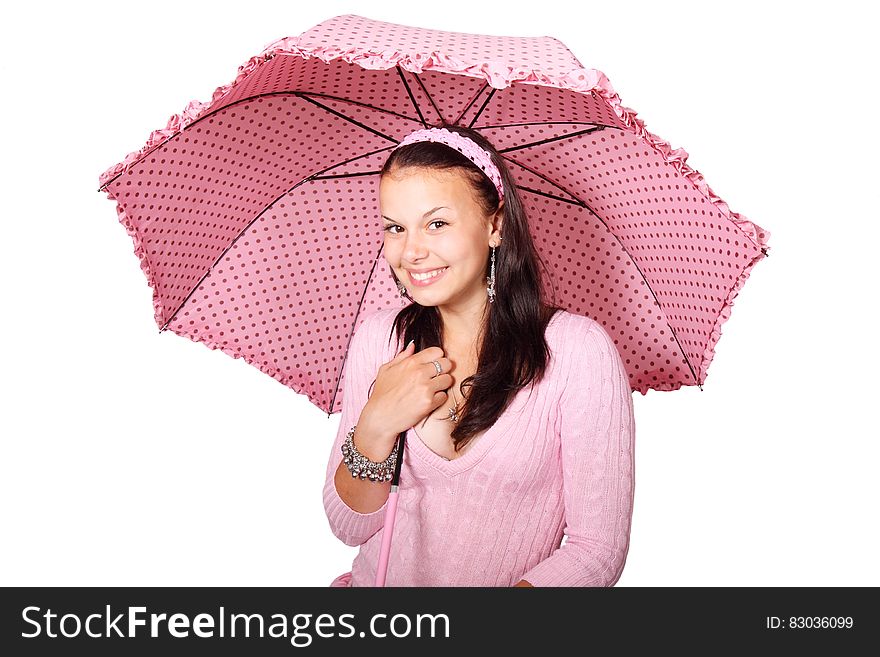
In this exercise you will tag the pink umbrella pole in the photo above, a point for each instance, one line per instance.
(390, 513)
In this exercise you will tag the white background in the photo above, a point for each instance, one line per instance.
(130, 458)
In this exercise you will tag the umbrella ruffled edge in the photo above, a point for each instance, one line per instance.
(141, 253)
(723, 316)
(264, 367)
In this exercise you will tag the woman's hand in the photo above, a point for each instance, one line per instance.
(523, 582)
(407, 389)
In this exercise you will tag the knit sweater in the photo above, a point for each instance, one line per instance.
(558, 463)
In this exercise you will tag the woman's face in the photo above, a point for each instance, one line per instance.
(421, 237)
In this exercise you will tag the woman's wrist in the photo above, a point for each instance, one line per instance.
(364, 467)
(374, 443)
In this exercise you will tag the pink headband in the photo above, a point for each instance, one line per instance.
(464, 145)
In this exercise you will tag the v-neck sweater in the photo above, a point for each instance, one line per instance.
(557, 464)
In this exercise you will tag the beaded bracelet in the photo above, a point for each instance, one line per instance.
(360, 466)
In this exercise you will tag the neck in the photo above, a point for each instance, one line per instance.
(463, 327)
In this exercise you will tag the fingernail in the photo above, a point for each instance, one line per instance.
(410, 344)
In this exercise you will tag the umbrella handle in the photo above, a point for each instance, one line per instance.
(390, 514)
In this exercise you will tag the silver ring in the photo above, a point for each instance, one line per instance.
(437, 365)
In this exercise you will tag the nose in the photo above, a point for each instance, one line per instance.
(414, 248)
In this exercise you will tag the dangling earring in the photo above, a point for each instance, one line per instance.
(490, 279)
(401, 290)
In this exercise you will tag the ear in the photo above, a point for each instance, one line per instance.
(498, 218)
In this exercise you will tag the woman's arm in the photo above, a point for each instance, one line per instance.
(597, 435)
(349, 525)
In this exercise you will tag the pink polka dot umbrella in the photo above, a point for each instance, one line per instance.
(255, 214)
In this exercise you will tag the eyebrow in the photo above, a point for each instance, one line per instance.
(424, 216)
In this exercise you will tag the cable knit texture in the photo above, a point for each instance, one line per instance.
(545, 494)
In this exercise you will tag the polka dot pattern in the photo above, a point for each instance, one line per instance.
(255, 216)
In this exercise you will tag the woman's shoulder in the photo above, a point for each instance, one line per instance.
(376, 326)
(569, 335)
(377, 319)
(570, 327)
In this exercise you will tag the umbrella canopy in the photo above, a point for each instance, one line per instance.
(255, 215)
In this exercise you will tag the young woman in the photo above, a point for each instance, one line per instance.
(519, 414)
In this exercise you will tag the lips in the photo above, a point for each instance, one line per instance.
(428, 281)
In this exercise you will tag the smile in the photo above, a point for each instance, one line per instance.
(422, 280)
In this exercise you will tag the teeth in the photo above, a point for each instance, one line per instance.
(427, 275)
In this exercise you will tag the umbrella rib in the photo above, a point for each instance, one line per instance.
(537, 123)
(412, 98)
(353, 174)
(552, 139)
(347, 118)
(250, 223)
(482, 107)
(355, 102)
(553, 196)
(471, 102)
(425, 89)
(611, 232)
(353, 324)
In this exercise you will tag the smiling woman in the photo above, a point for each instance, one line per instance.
(447, 201)
(519, 411)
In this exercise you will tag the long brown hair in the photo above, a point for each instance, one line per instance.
(513, 352)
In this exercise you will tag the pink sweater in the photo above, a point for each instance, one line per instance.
(558, 462)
